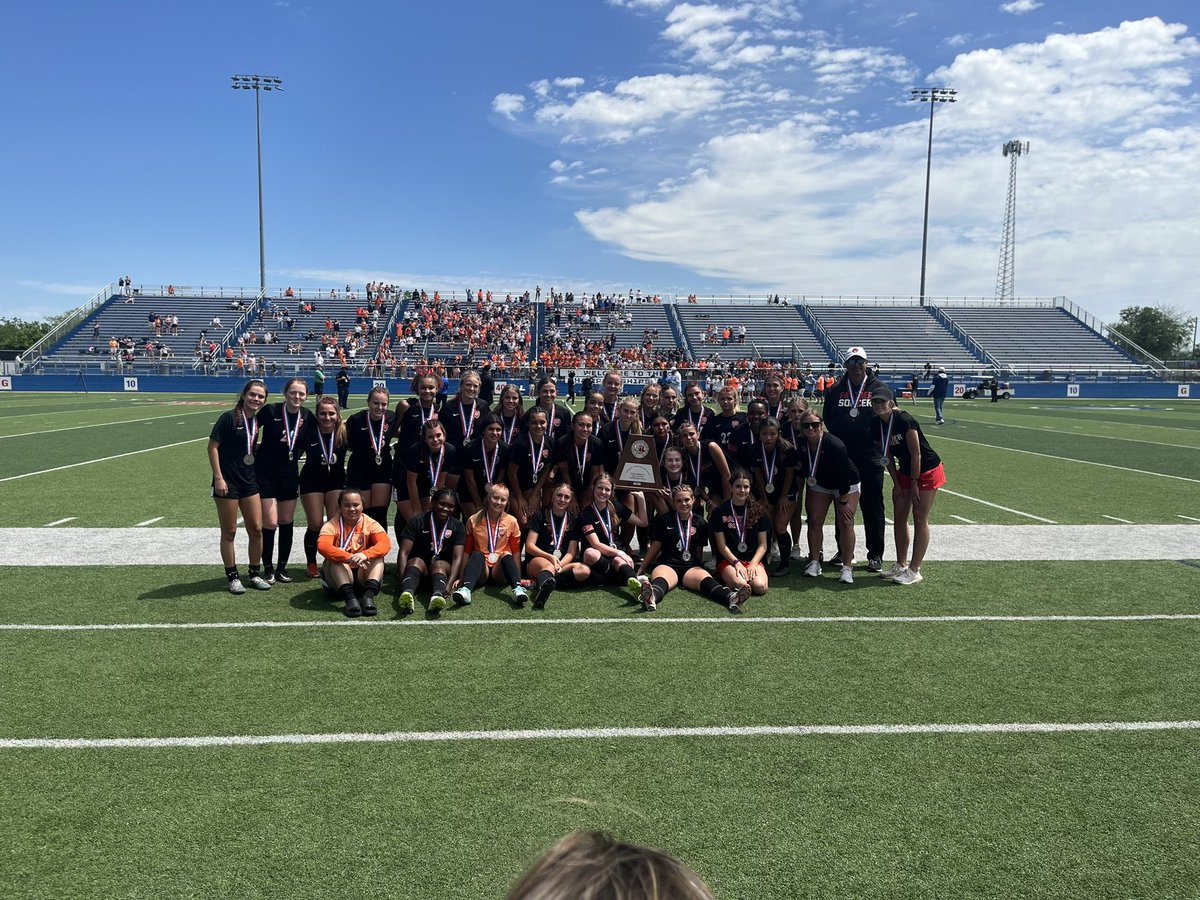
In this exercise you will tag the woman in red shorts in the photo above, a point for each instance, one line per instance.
(917, 474)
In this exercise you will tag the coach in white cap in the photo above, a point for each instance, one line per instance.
(848, 416)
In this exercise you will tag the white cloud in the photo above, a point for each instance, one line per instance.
(904, 19)
(801, 207)
(703, 30)
(641, 4)
(569, 84)
(845, 69)
(508, 104)
(1020, 7)
(635, 104)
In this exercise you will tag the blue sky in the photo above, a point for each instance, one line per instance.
(753, 146)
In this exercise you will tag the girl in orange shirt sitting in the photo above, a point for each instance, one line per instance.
(492, 549)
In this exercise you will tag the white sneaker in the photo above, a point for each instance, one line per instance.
(891, 573)
(798, 554)
(236, 586)
(847, 576)
(813, 569)
(774, 554)
(908, 576)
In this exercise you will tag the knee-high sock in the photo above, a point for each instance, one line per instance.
(310, 545)
(474, 570)
(714, 590)
(660, 589)
(379, 514)
(412, 578)
(785, 547)
(626, 571)
(371, 589)
(286, 531)
(438, 584)
(268, 551)
(508, 565)
(544, 576)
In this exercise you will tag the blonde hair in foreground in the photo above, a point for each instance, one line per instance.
(588, 865)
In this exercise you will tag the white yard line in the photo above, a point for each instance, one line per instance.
(1015, 512)
(630, 622)
(1102, 437)
(1115, 519)
(60, 521)
(606, 734)
(1085, 462)
(1189, 518)
(148, 522)
(961, 519)
(105, 424)
(89, 462)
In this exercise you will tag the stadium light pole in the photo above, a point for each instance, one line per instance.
(932, 96)
(258, 83)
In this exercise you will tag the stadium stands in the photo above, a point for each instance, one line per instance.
(1038, 339)
(771, 331)
(898, 338)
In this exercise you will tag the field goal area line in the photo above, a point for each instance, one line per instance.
(559, 734)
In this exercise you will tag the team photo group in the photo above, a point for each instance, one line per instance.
(523, 493)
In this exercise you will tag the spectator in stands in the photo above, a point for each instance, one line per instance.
(847, 405)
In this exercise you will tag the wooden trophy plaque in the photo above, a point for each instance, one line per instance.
(637, 469)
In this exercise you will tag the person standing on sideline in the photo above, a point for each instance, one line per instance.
(319, 383)
(342, 380)
(917, 474)
(847, 415)
(938, 392)
(571, 388)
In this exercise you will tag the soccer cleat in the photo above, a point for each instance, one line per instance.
(352, 610)
(268, 575)
(847, 576)
(282, 576)
(875, 564)
(647, 595)
(236, 586)
(437, 603)
(259, 583)
(520, 595)
(462, 596)
(891, 573)
(813, 569)
(368, 607)
(408, 602)
(312, 571)
(908, 576)
(797, 554)
(782, 569)
(636, 586)
(738, 597)
(543, 593)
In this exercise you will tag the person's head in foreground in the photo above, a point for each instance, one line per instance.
(588, 865)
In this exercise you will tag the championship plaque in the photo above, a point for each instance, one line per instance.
(637, 468)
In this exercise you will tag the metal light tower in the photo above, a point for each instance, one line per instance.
(1007, 271)
(258, 83)
(932, 96)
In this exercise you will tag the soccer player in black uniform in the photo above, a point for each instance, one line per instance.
(432, 464)
(277, 468)
(740, 537)
(722, 426)
(677, 542)
(461, 413)
(526, 458)
(552, 547)
(693, 410)
(558, 415)
(231, 454)
(599, 523)
(511, 413)
(917, 474)
(831, 478)
(706, 469)
(576, 459)
(848, 417)
(774, 468)
(412, 414)
(369, 433)
(431, 544)
(484, 461)
(611, 387)
(743, 443)
(323, 475)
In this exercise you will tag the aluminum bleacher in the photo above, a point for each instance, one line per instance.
(1038, 338)
(900, 339)
(771, 330)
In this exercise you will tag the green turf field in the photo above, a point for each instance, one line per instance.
(436, 758)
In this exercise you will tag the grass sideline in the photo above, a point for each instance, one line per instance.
(1086, 815)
